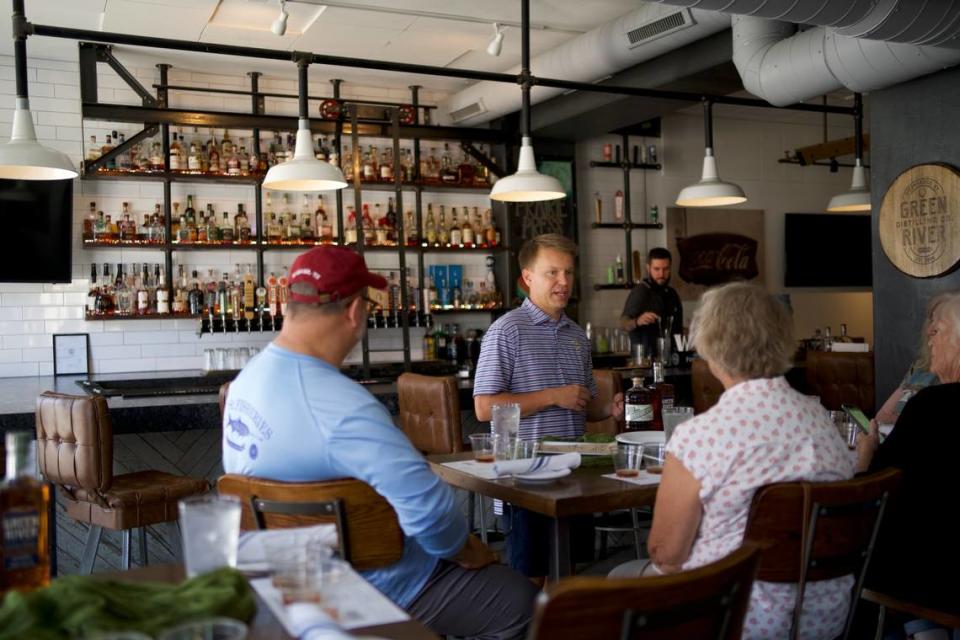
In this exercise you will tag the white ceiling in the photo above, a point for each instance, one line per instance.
(375, 29)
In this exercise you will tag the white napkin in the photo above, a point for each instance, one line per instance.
(537, 465)
(252, 555)
(310, 622)
(850, 347)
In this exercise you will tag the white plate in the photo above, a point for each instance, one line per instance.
(542, 476)
(642, 437)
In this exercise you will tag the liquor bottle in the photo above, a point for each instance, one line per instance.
(350, 227)
(843, 337)
(124, 296)
(249, 288)
(274, 231)
(410, 228)
(443, 352)
(618, 205)
(429, 346)
(443, 232)
(232, 161)
(226, 145)
(663, 395)
(24, 513)
(195, 299)
(638, 410)
(179, 303)
(155, 161)
(456, 234)
(90, 221)
(221, 304)
(431, 227)
(176, 154)
(93, 151)
(492, 232)
(406, 165)
(104, 150)
(467, 229)
(369, 229)
(465, 170)
(619, 270)
(241, 224)
(324, 227)
(390, 222)
(291, 232)
(100, 229)
(94, 292)
(213, 156)
(460, 353)
(142, 294)
(194, 164)
(448, 173)
(162, 293)
(227, 229)
(307, 234)
(386, 166)
(369, 167)
(203, 227)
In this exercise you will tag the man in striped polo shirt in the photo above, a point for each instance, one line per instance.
(539, 358)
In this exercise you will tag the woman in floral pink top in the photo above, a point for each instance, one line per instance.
(760, 431)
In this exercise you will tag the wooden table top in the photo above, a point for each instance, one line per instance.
(583, 492)
(265, 626)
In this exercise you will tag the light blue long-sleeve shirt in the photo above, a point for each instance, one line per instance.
(295, 418)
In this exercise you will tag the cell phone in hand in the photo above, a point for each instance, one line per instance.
(858, 416)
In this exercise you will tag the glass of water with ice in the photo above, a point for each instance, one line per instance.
(672, 416)
(210, 526)
(505, 419)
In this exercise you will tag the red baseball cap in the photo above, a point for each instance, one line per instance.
(335, 272)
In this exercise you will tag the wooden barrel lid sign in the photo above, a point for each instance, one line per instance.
(920, 220)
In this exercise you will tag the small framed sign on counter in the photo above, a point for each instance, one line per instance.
(71, 354)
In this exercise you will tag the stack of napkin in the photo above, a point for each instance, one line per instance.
(536, 465)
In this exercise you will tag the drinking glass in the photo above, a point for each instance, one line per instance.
(208, 629)
(482, 445)
(297, 563)
(653, 455)
(210, 527)
(506, 448)
(505, 419)
(627, 460)
(672, 416)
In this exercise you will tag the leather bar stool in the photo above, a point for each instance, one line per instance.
(706, 388)
(75, 452)
(841, 378)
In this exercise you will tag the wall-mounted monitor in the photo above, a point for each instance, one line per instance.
(37, 221)
(828, 250)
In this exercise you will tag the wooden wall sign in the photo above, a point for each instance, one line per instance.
(714, 258)
(920, 220)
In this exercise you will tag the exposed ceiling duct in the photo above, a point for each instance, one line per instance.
(629, 40)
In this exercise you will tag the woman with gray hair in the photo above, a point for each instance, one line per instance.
(760, 431)
(917, 557)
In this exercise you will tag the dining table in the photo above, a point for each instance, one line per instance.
(265, 625)
(584, 491)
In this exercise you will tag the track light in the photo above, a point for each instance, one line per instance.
(496, 44)
(279, 26)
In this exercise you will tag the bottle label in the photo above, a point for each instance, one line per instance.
(21, 535)
(639, 412)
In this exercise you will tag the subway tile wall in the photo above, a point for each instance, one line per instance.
(30, 314)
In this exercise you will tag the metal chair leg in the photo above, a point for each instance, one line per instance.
(471, 510)
(881, 620)
(125, 553)
(634, 517)
(90, 550)
(142, 543)
(483, 520)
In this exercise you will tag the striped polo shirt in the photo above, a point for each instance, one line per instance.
(526, 350)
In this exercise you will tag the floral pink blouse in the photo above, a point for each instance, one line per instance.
(763, 431)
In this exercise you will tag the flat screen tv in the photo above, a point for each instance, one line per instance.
(37, 218)
(827, 250)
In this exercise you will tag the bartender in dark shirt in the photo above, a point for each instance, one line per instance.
(653, 305)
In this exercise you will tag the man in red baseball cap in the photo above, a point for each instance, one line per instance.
(292, 416)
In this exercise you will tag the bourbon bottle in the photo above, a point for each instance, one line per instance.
(24, 512)
(639, 407)
(663, 395)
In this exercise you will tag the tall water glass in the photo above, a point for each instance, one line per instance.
(672, 416)
(210, 526)
(505, 419)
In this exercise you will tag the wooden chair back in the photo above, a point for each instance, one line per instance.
(813, 531)
(609, 384)
(367, 526)
(430, 412)
(708, 602)
(224, 390)
(706, 388)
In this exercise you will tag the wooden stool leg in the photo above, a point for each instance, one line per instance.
(125, 553)
(142, 543)
(90, 550)
(483, 520)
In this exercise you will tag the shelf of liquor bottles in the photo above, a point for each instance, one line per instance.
(294, 246)
(612, 287)
(626, 226)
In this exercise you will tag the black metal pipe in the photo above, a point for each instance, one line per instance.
(304, 84)
(401, 67)
(20, 47)
(525, 67)
(708, 124)
(858, 125)
(338, 149)
(267, 94)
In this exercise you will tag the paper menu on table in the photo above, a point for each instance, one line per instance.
(357, 603)
(643, 479)
(479, 469)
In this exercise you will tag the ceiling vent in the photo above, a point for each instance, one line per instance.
(666, 25)
(468, 111)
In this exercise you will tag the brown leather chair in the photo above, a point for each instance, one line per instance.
(608, 385)
(430, 412)
(367, 526)
(706, 388)
(222, 397)
(75, 452)
(819, 530)
(840, 378)
(708, 602)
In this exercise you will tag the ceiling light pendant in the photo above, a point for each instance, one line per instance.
(496, 44)
(304, 172)
(279, 26)
(710, 191)
(858, 198)
(527, 184)
(23, 158)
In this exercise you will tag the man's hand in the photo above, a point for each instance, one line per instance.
(647, 318)
(867, 444)
(616, 407)
(475, 554)
(572, 396)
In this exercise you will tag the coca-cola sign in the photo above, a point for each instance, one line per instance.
(714, 258)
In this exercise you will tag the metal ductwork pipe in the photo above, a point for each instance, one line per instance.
(920, 22)
(783, 69)
(636, 37)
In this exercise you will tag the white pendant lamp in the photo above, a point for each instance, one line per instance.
(711, 191)
(23, 158)
(858, 198)
(527, 184)
(304, 172)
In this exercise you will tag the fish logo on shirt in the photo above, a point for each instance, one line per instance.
(236, 427)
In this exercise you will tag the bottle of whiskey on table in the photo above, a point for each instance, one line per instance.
(24, 513)
(639, 407)
(663, 395)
